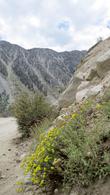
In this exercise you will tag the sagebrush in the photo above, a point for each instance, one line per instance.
(30, 110)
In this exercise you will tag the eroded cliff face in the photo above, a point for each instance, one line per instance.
(92, 76)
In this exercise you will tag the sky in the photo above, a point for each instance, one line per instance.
(56, 24)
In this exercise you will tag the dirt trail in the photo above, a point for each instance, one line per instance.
(10, 152)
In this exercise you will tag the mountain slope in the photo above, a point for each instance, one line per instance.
(36, 69)
(92, 76)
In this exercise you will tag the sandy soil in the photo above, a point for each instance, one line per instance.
(10, 154)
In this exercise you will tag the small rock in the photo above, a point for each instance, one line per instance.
(17, 154)
(2, 177)
(18, 160)
(9, 149)
(4, 154)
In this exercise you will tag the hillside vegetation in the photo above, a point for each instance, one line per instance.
(75, 152)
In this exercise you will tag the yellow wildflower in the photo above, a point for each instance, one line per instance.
(98, 106)
(74, 115)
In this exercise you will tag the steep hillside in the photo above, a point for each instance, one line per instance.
(92, 76)
(36, 69)
(71, 155)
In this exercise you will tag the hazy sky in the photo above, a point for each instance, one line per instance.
(57, 24)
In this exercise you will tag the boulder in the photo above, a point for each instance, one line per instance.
(88, 92)
(103, 64)
(92, 74)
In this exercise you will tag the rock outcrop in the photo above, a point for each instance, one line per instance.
(92, 76)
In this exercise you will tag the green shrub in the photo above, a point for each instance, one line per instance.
(30, 110)
(106, 107)
(106, 96)
(85, 163)
(77, 153)
(37, 130)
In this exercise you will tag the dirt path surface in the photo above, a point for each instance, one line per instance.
(10, 154)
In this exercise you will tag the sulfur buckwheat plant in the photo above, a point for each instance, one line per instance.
(44, 163)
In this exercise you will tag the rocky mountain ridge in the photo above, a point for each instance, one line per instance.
(36, 69)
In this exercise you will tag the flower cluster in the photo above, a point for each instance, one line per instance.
(43, 161)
